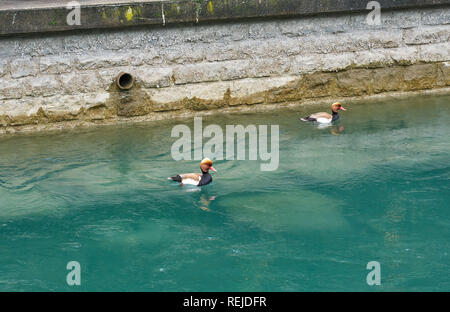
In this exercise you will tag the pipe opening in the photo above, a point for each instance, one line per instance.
(125, 81)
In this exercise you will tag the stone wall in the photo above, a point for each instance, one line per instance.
(69, 77)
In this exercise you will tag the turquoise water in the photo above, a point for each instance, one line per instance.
(376, 190)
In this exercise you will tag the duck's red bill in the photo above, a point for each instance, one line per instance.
(212, 168)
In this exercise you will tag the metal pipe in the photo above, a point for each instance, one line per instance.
(124, 81)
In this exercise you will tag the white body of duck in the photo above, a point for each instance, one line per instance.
(325, 118)
(191, 178)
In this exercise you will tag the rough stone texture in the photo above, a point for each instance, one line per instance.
(24, 67)
(421, 76)
(4, 67)
(355, 82)
(227, 70)
(43, 87)
(425, 35)
(56, 65)
(13, 89)
(74, 83)
(382, 75)
(87, 62)
(154, 77)
(434, 53)
(196, 68)
(444, 74)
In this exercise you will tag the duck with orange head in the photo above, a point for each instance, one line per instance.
(197, 179)
(326, 118)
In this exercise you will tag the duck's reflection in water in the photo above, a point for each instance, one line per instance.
(204, 201)
(337, 129)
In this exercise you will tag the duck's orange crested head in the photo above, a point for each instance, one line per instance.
(337, 106)
(207, 164)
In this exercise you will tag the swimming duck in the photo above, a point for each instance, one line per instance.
(198, 179)
(325, 118)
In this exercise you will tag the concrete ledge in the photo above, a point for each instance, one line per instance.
(22, 17)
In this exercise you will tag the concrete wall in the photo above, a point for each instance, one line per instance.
(67, 79)
(28, 16)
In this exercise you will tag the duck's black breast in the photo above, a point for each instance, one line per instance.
(335, 117)
(206, 179)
